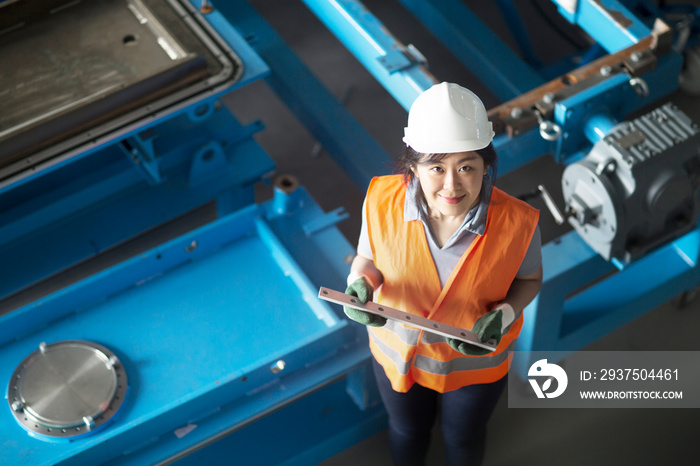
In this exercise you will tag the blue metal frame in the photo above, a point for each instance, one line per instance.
(254, 68)
(129, 203)
(614, 97)
(61, 197)
(199, 320)
(585, 114)
(195, 337)
(399, 70)
(348, 143)
(575, 307)
(609, 22)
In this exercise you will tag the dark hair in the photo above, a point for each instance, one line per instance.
(411, 157)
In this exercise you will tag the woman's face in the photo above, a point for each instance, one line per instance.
(452, 185)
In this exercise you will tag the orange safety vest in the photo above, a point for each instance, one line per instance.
(481, 279)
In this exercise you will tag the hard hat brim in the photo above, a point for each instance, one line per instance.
(447, 147)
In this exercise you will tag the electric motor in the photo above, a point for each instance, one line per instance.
(638, 187)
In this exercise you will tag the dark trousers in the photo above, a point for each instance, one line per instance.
(463, 416)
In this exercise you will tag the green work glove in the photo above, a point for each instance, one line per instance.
(486, 327)
(363, 291)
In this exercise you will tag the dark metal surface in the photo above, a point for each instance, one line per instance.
(69, 69)
(79, 53)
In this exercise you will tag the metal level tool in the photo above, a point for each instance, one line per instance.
(418, 322)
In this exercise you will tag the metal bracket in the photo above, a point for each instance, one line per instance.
(402, 58)
(143, 155)
(207, 162)
(395, 60)
(412, 320)
(327, 220)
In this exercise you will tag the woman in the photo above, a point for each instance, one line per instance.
(438, 240)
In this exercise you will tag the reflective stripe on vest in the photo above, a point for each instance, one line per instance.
(407, 335)
(479, 281)
(461, 364)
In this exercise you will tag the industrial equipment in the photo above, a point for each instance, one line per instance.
(638, 187)
(101, 66)
(148, 306)
(67, 389)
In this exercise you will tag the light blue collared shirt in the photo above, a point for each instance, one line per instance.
(447, 256)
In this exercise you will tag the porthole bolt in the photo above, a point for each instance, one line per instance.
(113, 362)
(89, 422)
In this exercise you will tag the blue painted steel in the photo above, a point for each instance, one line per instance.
(567, 316)
(350, 145)
(200, 320)
(206, 163)
(598, 126)
(196, 334)
(476, 46)
(614, 97)
(253, 68)
(515, 152)
(329, 220)
(609, 22)
(141, 153)
(128, 205)
(285, 446)
(381, 53)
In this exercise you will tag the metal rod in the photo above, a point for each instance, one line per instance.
(412, 320)
(559, 216)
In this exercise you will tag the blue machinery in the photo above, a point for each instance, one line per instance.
(137, 266)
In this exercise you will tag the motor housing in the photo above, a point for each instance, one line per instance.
(638, 187)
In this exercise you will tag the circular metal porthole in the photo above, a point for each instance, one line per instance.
(67, 389)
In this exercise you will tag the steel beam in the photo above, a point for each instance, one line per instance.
(397, 67)
(608, 21)
(350, 145)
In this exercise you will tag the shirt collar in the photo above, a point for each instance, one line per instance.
(475, 221)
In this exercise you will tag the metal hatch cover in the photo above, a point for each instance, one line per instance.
(67, 389)
(74, 71)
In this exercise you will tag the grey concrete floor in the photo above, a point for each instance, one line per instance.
(516, 436)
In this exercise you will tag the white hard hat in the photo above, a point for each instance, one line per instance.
(447, 118)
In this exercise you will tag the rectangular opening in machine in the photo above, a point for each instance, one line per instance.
(73, 71)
